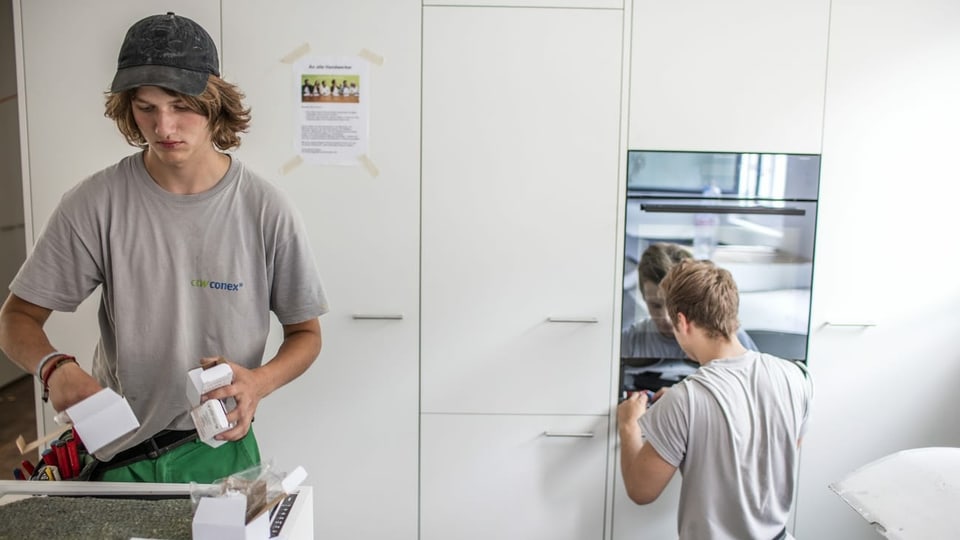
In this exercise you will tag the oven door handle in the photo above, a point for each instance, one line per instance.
(663, 208)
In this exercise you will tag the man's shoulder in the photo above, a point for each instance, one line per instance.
(255, 184)
(103, 183)
(792, 366)
(751, 361)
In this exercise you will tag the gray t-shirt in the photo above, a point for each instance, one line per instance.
(182, 277)
(644, 340)
(732, 428)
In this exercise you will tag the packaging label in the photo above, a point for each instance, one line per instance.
(211, 419)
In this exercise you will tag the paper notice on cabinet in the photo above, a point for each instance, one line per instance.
(332, 117)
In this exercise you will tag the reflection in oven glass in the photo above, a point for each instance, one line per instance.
(653, 373)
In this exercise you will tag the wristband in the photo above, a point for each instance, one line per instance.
(46, 376)
(43, 362)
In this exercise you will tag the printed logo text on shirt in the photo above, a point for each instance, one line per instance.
(218, 285)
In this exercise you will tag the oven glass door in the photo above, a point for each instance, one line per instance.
(766, 245)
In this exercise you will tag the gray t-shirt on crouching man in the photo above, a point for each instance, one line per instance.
(732, 428)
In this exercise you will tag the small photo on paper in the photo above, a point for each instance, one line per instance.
(319, 88)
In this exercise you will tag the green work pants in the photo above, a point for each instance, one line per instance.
(194, 461)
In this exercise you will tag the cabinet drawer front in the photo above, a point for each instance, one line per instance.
(512, 476)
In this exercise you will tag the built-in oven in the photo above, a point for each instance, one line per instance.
(751, 213)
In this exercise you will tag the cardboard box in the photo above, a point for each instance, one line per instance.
(209, 417)
(102, 418)
(223, 517)
(205, 380)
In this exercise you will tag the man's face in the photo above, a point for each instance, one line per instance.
(174, 132)
(655, 305)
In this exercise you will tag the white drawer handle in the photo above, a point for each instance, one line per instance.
(858, 325)
(588, 320)
(375, 317)
(587, 435)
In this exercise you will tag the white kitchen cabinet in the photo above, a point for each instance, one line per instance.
(607, 4)
(521, 125)
(736, 76)
(885, 252)
(361, 395)
(654, 521)
(521, 116)
(513, 477)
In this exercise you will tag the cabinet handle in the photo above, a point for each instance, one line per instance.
(587, 435)
(721, 209)
(375, 317)
(857, 325)
(588, 320)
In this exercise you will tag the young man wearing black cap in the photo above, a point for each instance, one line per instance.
(732, 428)
(191, 250)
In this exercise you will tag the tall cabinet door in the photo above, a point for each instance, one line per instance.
(361, 395)
(519, 200)
(884, 351)
(739, 75)
(520, 156)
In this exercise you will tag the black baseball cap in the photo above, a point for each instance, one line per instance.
(169, 51)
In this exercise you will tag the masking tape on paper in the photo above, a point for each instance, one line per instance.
(368, 165)
(294, 162)
(295, 54)
(371, 57)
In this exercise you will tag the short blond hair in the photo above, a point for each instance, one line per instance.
(706, 295)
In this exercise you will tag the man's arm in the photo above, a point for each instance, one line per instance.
(21, 332)
(23, 340)
(301, 346)
(645, 474)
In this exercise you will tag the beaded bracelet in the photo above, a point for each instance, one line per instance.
(43, 362)
(46, 376)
